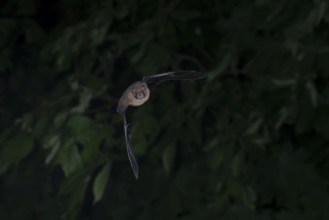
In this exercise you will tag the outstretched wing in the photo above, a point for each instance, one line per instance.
(180, 75)
(157, 79)
(130, 152)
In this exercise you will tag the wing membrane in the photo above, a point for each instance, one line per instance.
(157, 79)
(131, 156)
(180, 75)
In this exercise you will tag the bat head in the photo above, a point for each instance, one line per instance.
(139, 93)
(139, 90)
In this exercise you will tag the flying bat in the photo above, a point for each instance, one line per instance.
(138, 93)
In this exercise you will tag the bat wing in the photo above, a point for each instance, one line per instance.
(180, 75)
(131, 156)
(157, 79)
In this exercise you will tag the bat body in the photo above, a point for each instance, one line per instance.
(138, 93)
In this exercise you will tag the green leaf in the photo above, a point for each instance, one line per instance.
(17, 148)
(236, 164)
(221, 67)
(3, 167)
(101, 182)
(186, 15)
(69, 157)
(282, 116)
(76, 197)
(215, 160)
(70, 183)
(91, 140)
(41, 125)
(60, 119)
(85, 98)
(141, 51)
(168, 158)
(317, 14)
(313, 93)
(284, 83)
(249, 197)
(156, 58)
(254, 128)
(53, 144)
(78, 123)
(99, 31)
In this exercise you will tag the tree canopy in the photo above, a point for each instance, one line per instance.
(249, 142)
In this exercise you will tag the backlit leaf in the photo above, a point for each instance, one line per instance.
(100, 182)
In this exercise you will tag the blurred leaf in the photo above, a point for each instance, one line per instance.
(69, 157)
(53, 141)
(3, 167)
(101, 182)
(168, 158)
(77, 123)
(77, 178)
(17, 148)
(322, 64)
(186, 15)
(99, 32)
(145, 131)
(156, 58)
(254, 127)
(26, 122)
(41, 126)
(283, 114)
(313, 93)
(221, 67)
(85, 98)
(60, 119)
(76, 199)
(5, 63)
(237, 164)
(317, 14)
(141, 51)
(54, 144)
(249, 198)
(216, 160)
(284, 83)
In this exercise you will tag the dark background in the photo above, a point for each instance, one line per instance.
(249, 142)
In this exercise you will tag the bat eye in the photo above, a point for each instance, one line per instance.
(140, 95)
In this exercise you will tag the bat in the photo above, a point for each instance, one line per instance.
(138, 93)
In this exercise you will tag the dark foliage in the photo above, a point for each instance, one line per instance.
(249, 142)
